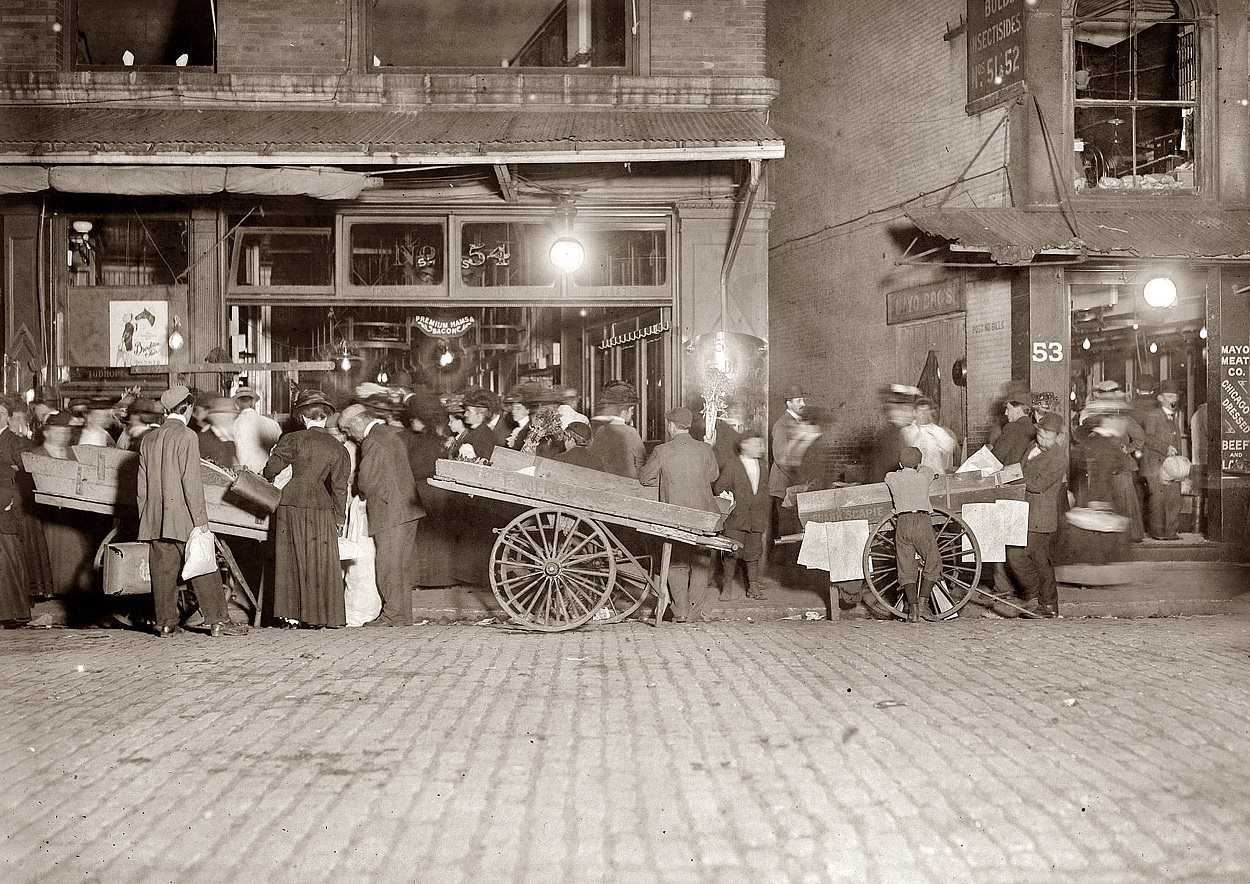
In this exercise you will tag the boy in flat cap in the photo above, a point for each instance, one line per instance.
(684, 468)
(913, 529)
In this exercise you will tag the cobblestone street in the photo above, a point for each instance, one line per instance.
(1084, 750)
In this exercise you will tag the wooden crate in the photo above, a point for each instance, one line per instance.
(872, 502)
(554, 492)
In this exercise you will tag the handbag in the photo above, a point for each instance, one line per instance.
(255, 490)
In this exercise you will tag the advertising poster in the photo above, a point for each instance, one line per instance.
(138, 333)
(1235, 408)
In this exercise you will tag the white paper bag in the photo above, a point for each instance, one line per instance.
(200, 555)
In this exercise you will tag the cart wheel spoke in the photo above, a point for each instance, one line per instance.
(552, 569)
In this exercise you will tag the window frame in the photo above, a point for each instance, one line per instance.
(347, 291)
(236, 291)
(71, 53)
(1202, 152)
(635, 33)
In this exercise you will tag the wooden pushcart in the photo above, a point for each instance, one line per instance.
(560, 563)
(958, 544)
(103, 480)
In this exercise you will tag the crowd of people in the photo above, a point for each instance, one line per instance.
(358, 526)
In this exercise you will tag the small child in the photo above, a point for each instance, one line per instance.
(913, 529)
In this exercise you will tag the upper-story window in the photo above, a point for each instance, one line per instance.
(1135, 79)
(500, 33)
(144, 33)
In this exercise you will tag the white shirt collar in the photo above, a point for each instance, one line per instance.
(181, 418)
(369, 427)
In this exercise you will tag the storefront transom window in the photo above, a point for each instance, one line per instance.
(1135, 81)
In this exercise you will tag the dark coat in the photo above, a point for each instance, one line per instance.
(385, 480)
(618, 447)
(424, 449)
(170, 490)
(786, 459)
(1043, 483)
(580, 456)
(887, 447)
(685, 469)
(819, 469)
(1161, 432)
(751, 508)
(483, 440)
(11, 448)
(1102, 460)
(1015, 440)
(320, 471)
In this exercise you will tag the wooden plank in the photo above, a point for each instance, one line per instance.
(592, 500)
(254, 531)
(872, 501)
(558, 471)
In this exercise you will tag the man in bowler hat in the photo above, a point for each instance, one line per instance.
(1162, 439)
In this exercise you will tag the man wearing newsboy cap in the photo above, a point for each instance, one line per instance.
(685, 469)
(171, 512)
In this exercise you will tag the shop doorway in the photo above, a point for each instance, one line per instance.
(924, 355)
(1121, 343)
(637, 349)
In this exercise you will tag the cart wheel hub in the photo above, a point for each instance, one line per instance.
(551, 569)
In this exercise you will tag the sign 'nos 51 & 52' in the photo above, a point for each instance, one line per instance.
(995, 52)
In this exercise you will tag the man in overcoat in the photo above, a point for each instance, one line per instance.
(1162, 439)
(743, 476)
(172, 511)
(384, 479)
(684, 468)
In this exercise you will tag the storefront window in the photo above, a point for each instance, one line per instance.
(506, 254)
(283, 256)
(397, 254)
(499, 33)
(1135, 75)
(623, 258)
(131, 251)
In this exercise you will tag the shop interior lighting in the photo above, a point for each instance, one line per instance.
(181, 61)
(1202, 332)
(128, 58)
(1085, 344)
(446, 357)
(567, 254)
(1160, 292)
(1154, 347)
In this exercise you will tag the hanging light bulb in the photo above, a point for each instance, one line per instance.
(446, 357)
(1202, 332)
(1072, 395)
(176, 340)
(1136, 326)
(383, 377)
(1160, 292)
(1085, 344)
(1154, 347)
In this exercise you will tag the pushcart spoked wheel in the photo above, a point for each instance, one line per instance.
(551, 569)
(961, 567)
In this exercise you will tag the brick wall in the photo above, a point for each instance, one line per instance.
(31, 35)
(872, 110)
(294, 36)
(989, 351)
(707, 37)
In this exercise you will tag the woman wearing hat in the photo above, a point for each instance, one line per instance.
(309, 581)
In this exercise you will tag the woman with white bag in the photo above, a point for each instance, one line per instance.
(308, 584)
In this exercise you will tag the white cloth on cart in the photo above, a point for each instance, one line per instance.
(996, 526)
(836, 547)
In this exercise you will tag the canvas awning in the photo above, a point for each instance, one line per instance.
(331, 184)
(43, 135)
(1016, 236)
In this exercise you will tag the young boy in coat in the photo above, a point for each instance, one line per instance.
(913, 529)
(744, 476)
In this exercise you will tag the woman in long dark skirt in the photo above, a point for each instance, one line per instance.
(427, 442)
(308, 587)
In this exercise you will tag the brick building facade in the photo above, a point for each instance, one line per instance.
(294, 154)
(1011, 228)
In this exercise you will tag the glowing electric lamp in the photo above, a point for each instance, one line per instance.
(176, 340)
(1160, 292)
(1202, 332)
(567, 254)
(345, 363)
(1154, 347)
(446, 358)
(1085, 344)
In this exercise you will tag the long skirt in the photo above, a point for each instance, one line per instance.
(436, 539)
(308, 581)
(14, 602)
(35, 551)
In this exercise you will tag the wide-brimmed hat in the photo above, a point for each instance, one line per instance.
(145, 406)
(1147, 383)
(900, 394)
(222, 405)
(59, 419)
(174, 396)
(480, 397)
(1045, 400)
(1171, 385)
(453, 404)
(424, 406)
(308, 398)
